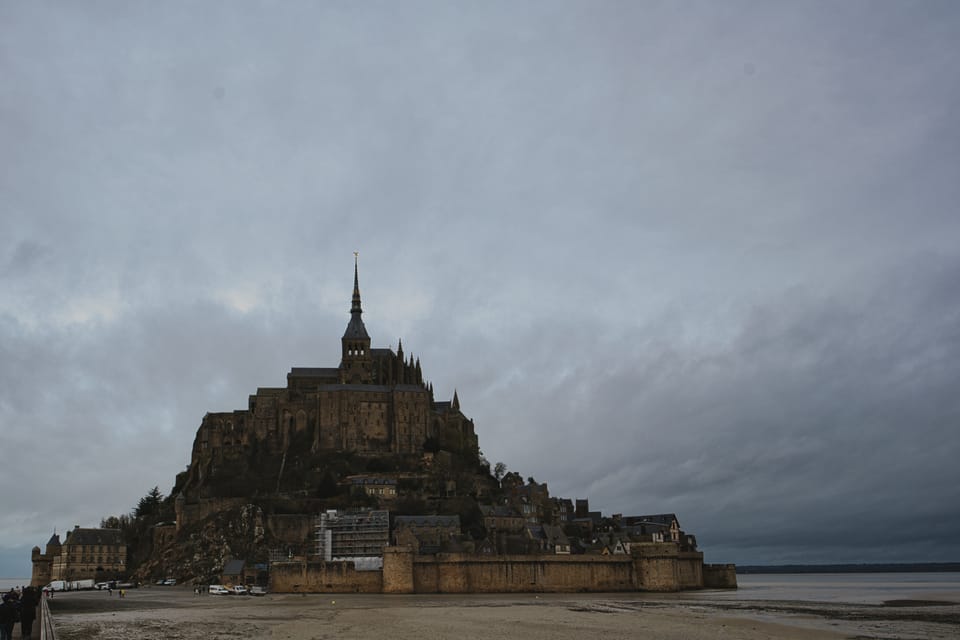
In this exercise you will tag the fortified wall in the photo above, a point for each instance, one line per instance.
(650, 567)
(323, 577)
(720, 576)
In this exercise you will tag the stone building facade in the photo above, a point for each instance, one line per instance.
(84, 554)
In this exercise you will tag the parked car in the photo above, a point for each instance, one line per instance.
(218, 590)
(258, 591)
(169, 582)
(240, 590)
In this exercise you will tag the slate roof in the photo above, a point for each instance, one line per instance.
(314, 372)
(94, 536)
(555, 535)
(356, 329)
(426, 521)
(662, 519)
(645, 528)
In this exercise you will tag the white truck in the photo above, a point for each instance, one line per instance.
(56, 585)
(81, 585)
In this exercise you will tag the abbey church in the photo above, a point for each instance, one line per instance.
(374, 403)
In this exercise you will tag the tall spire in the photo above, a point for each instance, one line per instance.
(355, 307)
(356, 362)
(355, 329)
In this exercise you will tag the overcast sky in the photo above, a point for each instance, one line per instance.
(690, 257)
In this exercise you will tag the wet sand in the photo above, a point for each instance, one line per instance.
(175, 612)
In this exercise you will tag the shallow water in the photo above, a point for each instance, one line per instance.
(859, 588)
(9, 583)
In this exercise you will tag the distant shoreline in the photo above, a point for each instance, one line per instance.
(900, 567)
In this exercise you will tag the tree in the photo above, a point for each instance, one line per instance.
(150, 504)
(121, 522)
(499, 470)
(328, 486)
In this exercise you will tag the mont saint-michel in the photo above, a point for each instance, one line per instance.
(356, 478)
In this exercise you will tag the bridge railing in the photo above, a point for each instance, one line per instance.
(47, 629)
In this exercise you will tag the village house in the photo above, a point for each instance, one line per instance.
(375, 486)
(428, 534)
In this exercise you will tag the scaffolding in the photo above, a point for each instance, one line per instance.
(352, 535)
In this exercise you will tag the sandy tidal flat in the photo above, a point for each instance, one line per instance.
(176, 613)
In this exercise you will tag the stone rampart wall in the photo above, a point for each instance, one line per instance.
(323, 577)
(651, 567)
(720, 576)
(398, 569)
(456, 573)
(658, 562)
(690, 570)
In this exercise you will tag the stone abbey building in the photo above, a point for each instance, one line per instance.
(263, 483)
(374, 403)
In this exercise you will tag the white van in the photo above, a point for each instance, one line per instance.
(218, 590)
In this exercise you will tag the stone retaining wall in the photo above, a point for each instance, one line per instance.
(650, 567)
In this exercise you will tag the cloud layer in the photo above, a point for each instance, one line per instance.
(698, 259)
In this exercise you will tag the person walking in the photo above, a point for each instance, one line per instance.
(28, 611)
(8, 616)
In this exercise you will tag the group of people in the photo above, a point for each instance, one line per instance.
(18, 606)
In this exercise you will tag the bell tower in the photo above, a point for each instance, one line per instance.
(356, 362)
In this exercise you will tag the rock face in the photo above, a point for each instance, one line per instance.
(199, 554)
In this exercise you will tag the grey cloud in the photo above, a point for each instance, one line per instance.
(694, 259)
